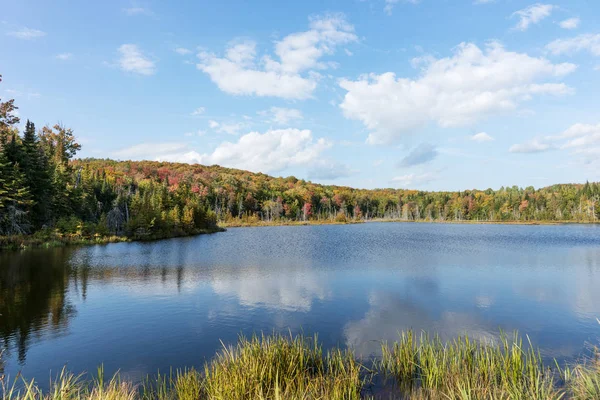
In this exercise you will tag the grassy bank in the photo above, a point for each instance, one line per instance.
(484, 222)
(285, 367)
(255, 222)
(241, 223)
(49, 238)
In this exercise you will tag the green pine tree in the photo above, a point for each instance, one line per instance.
(35, 165)
(14, 215)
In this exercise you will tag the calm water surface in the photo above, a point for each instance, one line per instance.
(141, 307)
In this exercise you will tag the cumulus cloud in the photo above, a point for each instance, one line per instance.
(532, 15)
(271, 151)
(571, 23)
(414, 180)
(455, 91)
(281, 115)
(27, 33)
(587, 42)
(421, 154)
(482, 137)
(133, 60)
(290, 73)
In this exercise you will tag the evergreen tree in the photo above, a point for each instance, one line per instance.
(4, 168)
(37, 175)
(14, 219)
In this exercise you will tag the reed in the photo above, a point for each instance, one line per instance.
(468, 369)
(278, 367)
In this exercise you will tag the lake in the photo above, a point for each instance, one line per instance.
(141, 307)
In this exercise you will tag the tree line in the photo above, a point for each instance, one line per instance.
(237, 195)
(44, 188)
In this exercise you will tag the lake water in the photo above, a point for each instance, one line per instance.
(141, 307)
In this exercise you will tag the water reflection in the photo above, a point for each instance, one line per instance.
(294, 289)
(33, 299)
(140, 307)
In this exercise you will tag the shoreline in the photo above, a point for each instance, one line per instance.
(41, 240)
(382, 220)
(468, 222)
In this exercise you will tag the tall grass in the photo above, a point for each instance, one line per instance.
(296, 368)
(279, 367)
(468, 369)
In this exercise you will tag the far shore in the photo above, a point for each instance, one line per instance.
(52, 239)
(240, 224)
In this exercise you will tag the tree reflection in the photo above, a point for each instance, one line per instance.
(33, 301)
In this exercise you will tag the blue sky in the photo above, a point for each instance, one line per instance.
(427, 94)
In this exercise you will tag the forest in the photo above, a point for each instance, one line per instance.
(46, 191)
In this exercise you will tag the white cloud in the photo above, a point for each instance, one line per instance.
(27, 33)
(586, 42)
(580, 140)
(232, 128)
(454, 91)
(571, 23)
(182, 51)
(482, 137)
(532, 15)
(414, 180)
(293, 76)
(532, 146)
(271, 151)
(64, 56)
(281, 115)
(133, 60)
(198, 111)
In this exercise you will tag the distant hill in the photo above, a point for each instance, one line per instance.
(233, 193)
